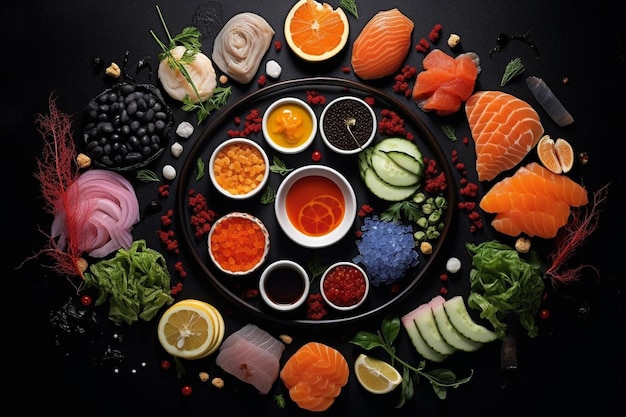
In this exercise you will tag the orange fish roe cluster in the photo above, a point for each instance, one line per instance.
(238, 244)
(239, 168)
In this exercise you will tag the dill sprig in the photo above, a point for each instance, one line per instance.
(189, 38)
(514, 68)
(146, 175)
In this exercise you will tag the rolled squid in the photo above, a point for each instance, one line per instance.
(240, 45)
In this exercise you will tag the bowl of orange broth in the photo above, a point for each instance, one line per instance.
(315, 206)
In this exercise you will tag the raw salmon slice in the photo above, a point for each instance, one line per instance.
(446, 82)
(382, 46)
(504, 127)
(315, 375)
(533, 201)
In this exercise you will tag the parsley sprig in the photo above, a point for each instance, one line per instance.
(190, 39)
(440, 379)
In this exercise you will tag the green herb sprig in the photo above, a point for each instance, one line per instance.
(268, 196)
(408, 209)
(190, 39)
(200, 167)
(449, 132)
(146, 175)
(350, 6)
(514, 68)
(278, 166)
(440, 379)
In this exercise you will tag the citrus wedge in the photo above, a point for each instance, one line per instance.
(315, 31)
(191, 329)
(546, 152)
(565, 153)
(375, 375)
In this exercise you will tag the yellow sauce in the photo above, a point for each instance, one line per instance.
(289, 125)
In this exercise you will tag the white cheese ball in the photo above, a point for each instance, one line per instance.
(169, 172)
(453, 265)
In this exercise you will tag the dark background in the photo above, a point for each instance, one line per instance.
(574, 366)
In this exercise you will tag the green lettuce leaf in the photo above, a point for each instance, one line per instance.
(501, 283)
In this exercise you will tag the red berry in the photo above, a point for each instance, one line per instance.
(316, 156)
(165, 364)
(544, 314)
(186, 390)
(85, 300)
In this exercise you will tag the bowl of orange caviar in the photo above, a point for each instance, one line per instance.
(238, 243)
(239, 168)
(344, 286)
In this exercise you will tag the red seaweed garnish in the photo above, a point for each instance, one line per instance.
(570, 237)
(57, 171)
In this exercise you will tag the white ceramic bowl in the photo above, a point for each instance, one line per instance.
(223, 236)
(312, 193)
(297, 113)
(345, 282)
(219, 181)
(336, 120)
(284, 285)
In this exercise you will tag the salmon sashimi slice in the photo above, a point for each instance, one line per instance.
(561, 186)
(504, 127)
(533, 201)
(498, 202)
(446, 82)
(532, 223)
(315, 375)
(382, 46)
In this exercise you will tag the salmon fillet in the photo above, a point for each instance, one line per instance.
(382, 46)
(504, 127)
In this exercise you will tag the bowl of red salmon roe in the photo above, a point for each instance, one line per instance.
(238, 243)
(344, 286)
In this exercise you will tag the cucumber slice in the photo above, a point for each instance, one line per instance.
(418, 341)
(400, 145)
(390, 172)
(459, 317)
(425, 321)
(406, 161)
(385, 191)
(449, 333)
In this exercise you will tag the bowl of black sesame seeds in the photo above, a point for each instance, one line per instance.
(347, 125)
(126, 127)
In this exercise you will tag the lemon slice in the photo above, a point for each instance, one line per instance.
(375, 375)
(190, 329)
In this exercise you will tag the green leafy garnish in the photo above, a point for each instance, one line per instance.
(278, 166)
(350, 6)
(146, 175)
(440, 379)
(514, 68)
(407, 209)
(449, 132)
(190, 39)
(200, 166)
(503, 282)
(135, 282)
(280, 400)
(316, 267)
(268, 196)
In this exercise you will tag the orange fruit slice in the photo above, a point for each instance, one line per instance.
(316, 218)
(315, 31)
(557, 156)
(335, 206)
